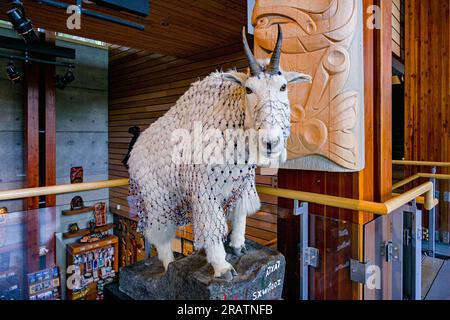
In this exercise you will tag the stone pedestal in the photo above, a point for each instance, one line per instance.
(260, 277)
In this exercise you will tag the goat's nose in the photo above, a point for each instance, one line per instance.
(272, 144)
(269, 148)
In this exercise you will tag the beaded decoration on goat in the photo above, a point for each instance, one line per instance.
(202, 194)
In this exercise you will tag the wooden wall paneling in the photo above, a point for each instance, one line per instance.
(445, 107)
(427, 89)
(398, 32)
(31, 130)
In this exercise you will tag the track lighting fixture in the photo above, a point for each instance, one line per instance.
(12, 73)
(66, 79)
(21, 24)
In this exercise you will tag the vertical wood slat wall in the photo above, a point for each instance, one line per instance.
(427, 87)
(143, 86)
(398, 33)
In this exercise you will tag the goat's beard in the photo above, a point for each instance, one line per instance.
(274, 160)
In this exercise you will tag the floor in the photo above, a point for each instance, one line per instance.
(430, 270)
(435, 279)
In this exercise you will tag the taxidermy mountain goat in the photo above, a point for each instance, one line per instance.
(174, 184)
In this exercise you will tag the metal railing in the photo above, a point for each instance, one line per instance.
(420, 163)
(433, 177)
(425, 192)
(379, 208)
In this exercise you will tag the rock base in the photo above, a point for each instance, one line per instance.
(260, 277)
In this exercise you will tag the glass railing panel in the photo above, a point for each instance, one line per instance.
(13, 256)
(27, 255)
(441, 230)
(337, 241)
(46, 247)
(393, 255)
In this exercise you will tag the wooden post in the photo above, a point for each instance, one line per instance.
(50, 124)
(383, 103)
(31, 130)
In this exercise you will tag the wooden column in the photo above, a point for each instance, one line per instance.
(383, 103)
(50, 150)
(376, 179)
(31, 153)
(50, 124)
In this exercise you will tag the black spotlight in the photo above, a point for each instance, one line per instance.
(12, 72)
(21, 24)
(66, 79)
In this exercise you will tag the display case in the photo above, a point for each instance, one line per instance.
(131, 242)
(92, 265)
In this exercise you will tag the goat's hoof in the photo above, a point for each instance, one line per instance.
(240, 251)
(228, 274)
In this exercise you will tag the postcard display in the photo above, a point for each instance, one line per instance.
(94, 265)
(44, 284)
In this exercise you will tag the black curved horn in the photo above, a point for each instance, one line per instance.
(274, 66)
(255, 68)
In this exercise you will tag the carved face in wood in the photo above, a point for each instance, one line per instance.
(318, 39)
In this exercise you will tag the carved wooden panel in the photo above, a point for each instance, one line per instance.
(324, 39)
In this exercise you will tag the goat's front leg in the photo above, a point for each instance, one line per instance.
(237, 237)
(248, 205)
(215, 253)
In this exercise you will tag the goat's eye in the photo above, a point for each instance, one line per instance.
(248, 90)
(283, 88)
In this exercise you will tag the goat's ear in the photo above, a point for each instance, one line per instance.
(236, 77)
(297, 77)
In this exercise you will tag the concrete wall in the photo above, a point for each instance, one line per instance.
(82, 134)
(82, 126)
(81, 138)
(11, 132)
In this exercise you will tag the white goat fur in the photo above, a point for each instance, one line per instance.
(170, 195)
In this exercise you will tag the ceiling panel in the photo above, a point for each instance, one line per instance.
(175, 27)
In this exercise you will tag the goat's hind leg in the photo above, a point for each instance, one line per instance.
(162, 236)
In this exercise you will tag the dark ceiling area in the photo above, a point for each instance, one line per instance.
(174, 27)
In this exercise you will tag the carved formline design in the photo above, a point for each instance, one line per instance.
(317, 35)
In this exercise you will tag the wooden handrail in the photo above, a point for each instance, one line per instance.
(418, 176)
(271, 242)
(61, 189)
(420, 163)
(385, 208)
(426, 189)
